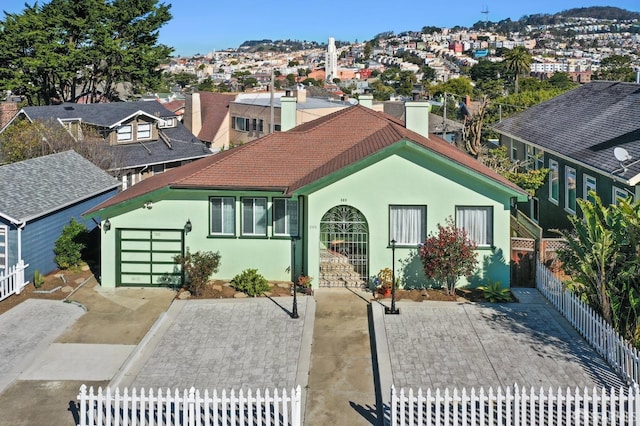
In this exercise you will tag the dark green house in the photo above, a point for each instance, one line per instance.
(589, 139)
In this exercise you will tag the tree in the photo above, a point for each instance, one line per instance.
(448, 255)
(291, 80)
(518, 62)
(602, 260)
(23, 140)
(66, 48)
(527, 178)
(616, 68)
(460, 86)
(472, 129)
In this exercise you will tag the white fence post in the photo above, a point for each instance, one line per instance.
(12, 281)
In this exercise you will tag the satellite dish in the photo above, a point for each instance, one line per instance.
(621, 154)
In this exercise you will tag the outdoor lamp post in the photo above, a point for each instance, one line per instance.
(393, 310)
(294, 310)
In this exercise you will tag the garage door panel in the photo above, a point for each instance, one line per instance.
(135, 245)
(144, 268)
(134, 234)
(163, 257)
(171, 246)
(132, 256)
(165, 235)
(158, 268)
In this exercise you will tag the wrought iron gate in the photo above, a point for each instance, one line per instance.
(344, 233)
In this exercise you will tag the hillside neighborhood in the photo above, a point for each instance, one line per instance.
(438, 226)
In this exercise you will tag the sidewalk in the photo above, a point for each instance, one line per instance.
(341, 381)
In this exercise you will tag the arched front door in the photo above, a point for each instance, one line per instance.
(344, 248)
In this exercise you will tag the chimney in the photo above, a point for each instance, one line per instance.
(7, 111)
(287, 112)
(193, 113)
(300, 93)
(637, 75)
(366, 100)
(417, 117)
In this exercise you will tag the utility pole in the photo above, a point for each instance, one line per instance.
(444, 118)
(271, 106)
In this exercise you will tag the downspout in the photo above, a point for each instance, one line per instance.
(305, 240)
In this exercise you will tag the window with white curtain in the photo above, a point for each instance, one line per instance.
(285, 217)
(254, 216)
(223, 215)
(477, 221)
(407, 224)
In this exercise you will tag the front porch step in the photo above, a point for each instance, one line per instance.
(341, 282)
(336, 271)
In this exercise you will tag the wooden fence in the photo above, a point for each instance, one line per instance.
(13, 281)
(622, 356)
(189, 407)
(515, 407)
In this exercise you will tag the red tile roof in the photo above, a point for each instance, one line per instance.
(214, 108)
(287, 161)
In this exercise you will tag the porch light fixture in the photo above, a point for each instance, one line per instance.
(187, 226)
(294, 310)
(393, 310)
(106, 225)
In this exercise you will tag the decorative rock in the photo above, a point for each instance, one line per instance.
(283, 285)
(67, 289)
(184, 295)
(79, 280)
(226, 285)
(217, 287)
(85, 267)
(239, 296)
(267, 293)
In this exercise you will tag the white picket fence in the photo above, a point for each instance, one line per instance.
(515, 407)
(621, 356)
(13, 281)
(189, 408)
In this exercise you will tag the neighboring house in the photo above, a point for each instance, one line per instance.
(575, 135)
(345, 185)
(145, 137)
(206, 115)
(38, 197)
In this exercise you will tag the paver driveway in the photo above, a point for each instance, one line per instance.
(444, 344)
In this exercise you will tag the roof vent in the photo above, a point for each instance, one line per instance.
(69, 108)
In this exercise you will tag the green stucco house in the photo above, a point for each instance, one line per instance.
(323, 199)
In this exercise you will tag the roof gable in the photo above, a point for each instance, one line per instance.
(35, 187)
(287, 161)
(584, 124)
(214, 108)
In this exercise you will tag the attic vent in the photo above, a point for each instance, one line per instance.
(69, 108)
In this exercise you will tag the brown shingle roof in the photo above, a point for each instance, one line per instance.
(288, 161)
(214, 108)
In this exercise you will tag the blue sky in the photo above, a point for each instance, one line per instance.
(200, 26)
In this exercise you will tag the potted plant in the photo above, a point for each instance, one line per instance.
(383, 282)
(304, 281)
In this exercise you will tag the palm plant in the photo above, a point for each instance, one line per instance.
(518, 61)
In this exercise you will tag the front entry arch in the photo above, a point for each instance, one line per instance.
(344, 248)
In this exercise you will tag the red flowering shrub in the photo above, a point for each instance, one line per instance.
(448, 255)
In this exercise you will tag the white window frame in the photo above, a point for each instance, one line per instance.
(567, 184)
(167, 122)
(407, 234)
(531, 154)
(241, 124)
(227, 207)
(291, 217)
(586, 185)
(4, 245)
(554, 166)
(488, 231)
(125, 133)
(256, 218)
(147, 133)
(618, 193)
(534, 211)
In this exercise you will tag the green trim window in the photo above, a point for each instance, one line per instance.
(223, 215)
(477, 221)
(254, 216)
(589, 185)
(535, 209)
(285, 217)
(570, 189)
(554, 182)
(514, 151)
(407, 224)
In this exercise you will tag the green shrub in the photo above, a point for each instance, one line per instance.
(69, 246)
(494, 292)
(38, 279)
(250, 282)
(197, 268)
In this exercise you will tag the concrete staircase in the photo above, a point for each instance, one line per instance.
(336, 271)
